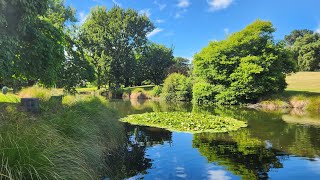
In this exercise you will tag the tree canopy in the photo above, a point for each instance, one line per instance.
(111, 39)
(244, 67)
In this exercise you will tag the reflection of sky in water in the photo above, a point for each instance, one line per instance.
(180, 161)
(297, 168)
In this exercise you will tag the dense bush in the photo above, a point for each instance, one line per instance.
(156, 91)
(205, 93)
(242, 68)
(177, 87)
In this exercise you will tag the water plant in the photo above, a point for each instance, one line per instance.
(186, 122)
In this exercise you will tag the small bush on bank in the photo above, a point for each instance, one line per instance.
(177, 87)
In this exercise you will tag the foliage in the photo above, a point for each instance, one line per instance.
(245, 66)
(153, 63)
(67, 144)
(205, 93)
(177, 87)
(181, 65)
(295, 34)
(186, 122)
(156, 91)
(111, 39)
(307, 51)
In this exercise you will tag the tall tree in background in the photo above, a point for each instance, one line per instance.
(307, 51)
(181, 65)
(295, 34)
(112, 38)
(155, 61)
(94, 39)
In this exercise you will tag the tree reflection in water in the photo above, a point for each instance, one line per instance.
(131, 159)
(241, 154)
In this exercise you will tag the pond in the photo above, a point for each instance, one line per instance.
(276, 145)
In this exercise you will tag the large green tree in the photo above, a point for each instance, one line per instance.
(155, 61)
(307, 51)
(37, 41)
(295, 34)
(112, 38)
(244, 67)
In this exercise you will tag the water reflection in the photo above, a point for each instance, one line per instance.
(131, 160)
(241, 154)
(272, 144)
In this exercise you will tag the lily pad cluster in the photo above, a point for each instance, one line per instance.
(186, 122)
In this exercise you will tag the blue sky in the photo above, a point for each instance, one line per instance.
(189, 25)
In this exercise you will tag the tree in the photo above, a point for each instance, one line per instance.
(181, 65)
(112, 38)
(155, 61)
(38, 39)
(295, 34)
(94, 40)
(15, 18)
(307, 51)
(245, 66)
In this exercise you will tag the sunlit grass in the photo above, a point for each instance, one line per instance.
(304, 81)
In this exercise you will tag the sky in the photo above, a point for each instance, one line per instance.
(189, 25)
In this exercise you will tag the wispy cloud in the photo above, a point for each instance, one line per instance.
(116, 3)
(82, 17)
(146, 12)
(183, 3)
(154, 32)
(180, 13)
(226, 31)
(318, 29)
(215, 5)
(160, 5)
(159, 21)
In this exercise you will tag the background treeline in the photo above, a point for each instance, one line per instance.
(41, 42)
(246, 66)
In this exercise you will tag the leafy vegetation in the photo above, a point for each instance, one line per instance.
(186, 122)
(177, 87)
(68, 143)
(245, 66)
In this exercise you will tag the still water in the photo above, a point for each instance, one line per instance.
(276, 145)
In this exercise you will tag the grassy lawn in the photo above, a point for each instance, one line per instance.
(304, 81)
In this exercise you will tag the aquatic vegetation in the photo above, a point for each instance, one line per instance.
(186, 122)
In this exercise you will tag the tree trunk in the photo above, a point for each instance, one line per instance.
(99, 78)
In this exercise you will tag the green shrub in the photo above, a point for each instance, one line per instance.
(156, 91)
(177, 87)
(205, 93)
(249, 64)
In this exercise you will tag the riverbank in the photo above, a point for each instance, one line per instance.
(68, 141)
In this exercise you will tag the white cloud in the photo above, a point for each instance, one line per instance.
(226, 31)
(180, 13)
(161, 6)
(159, 21)
(183, 3)
(82, 17)
(116, 3)
(145, 12)
(318, 29)
(154, 32)
(218, 175)
(219, 4)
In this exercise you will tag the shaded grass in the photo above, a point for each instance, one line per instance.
(186, 122)
(68, 143)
